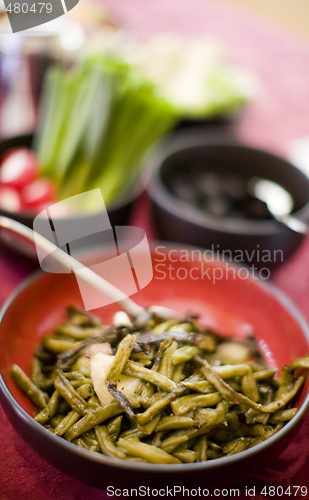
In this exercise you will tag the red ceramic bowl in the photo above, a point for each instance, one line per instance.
(231, 305)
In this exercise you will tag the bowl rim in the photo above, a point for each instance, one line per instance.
(161, 195)
(267, 287)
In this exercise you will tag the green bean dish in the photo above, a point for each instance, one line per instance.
(168, 392)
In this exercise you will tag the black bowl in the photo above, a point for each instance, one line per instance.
(265, 243)
(218, 124)
(119, 213)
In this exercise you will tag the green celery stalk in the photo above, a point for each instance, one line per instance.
(46, 139)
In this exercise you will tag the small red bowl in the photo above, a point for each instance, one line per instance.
(184, 280)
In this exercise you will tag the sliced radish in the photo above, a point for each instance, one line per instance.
(10, 199)
(19, 168)
(39, 193)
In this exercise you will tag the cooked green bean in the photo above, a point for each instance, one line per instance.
(212, 455)
(56, 346)
(231, 371)
(68, 392)
(155, 455)
(162, 348)
(184, 404)
(166, 367)
(182, 327)
(155, 408)
(134, 370)
(174, 440)
(44, 356)
(56, 419)
(165, 326)
(91, 439)
(270, 432)
(282, 415)
(184, 354)
(238, 398)
(93, 418)
(185, 456)
(49, 410)
(253, 416)
(212, 416)
(106, 443)
(236, 445)
(288, 394)
(192, 401)
(77, 332)
(94, 402)
(81, 381)
(178, 374)
(175, 422)
(64, 406)
(74, 376)
(265, 374)
(82, 318)
(82, 443)
(300, 363)
(114, 427)
(249, 387)
(258, 430)
(27, 386)
(67, 422)
(150, 426)
(123, 353)
(150, 400)
(201, 449)
(85, 391)
(198, 383)
(130, 458)
(132, 433)
(82, 365)
(248, 384)
(38, 378)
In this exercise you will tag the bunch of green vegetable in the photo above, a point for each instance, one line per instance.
(97, 122)
(169, 392)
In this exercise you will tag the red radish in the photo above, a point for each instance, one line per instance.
(10, 199)
(19, 168)
(38, 193)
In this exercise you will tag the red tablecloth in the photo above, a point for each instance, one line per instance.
(280, 113)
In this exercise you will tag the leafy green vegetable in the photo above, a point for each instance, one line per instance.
(193, 75)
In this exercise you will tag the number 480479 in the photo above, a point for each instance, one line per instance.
(24, 8)
(279, 491)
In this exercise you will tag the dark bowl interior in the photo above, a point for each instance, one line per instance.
(240, 160)
(179, 221)
(228, 306)
(119, 213)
